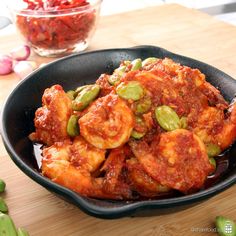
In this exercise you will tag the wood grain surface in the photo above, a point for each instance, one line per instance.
(178, 29)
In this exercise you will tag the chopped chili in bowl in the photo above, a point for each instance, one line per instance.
(57, 25)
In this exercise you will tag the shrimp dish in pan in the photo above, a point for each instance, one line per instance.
(150, 128)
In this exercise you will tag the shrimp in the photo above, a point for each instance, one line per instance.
(212, 127)
(113, 167)
(213, 95)
(108, 122)
(71, 164)
(179, 161)
(142, 182)
(85, 155)
(51, 119)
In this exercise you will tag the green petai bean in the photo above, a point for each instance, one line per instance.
(212, 149)
(2, 186)
(71, 94)
(7, 226)
(137, 135)
(117, 74)
(113, 79)
(80, 88)
(136, 64)
(120, 71)
(85, 97)
(73, 126)
(126, 63)
(142, 129)
(183, 122)
(149, 60)
(3, 206)
(22, 232)
(167, 118)
(212, 162)
(143, 105)
(132, 90)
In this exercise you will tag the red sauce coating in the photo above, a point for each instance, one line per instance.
(159, 162)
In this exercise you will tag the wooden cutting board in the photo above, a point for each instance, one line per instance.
(178, 29)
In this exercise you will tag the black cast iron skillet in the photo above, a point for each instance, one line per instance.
(85, 68)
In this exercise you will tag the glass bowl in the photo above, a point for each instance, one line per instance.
(55, 31)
